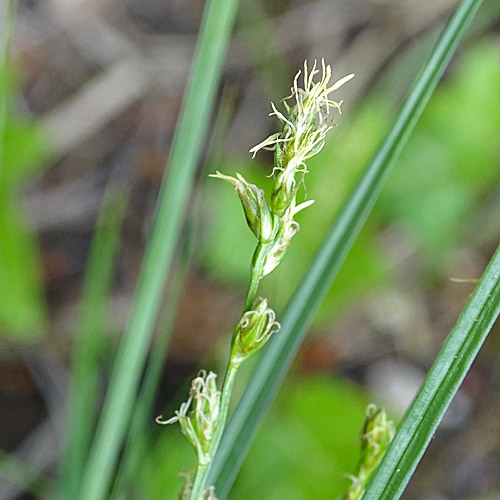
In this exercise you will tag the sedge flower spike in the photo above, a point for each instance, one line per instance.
(378, 432)
(304, 130)
(305, 125)
(376, 435)
(199, 424)
(253, 331)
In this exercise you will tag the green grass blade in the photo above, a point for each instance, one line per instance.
(279, 354)
(437, 391)
(136, 442)
(89, 342)
(8, 22)
(186, 148)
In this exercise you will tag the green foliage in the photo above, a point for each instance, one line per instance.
(91, 340)
(137, 444)
(22, 150)
(22, 309)
(451, 163)
(307, 443)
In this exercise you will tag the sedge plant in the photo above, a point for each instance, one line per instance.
(305, 123)
(415, 431)
(383, 469)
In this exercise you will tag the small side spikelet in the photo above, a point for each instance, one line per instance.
(257, 213)
(198, 416)
(253, 331)
(376, 436)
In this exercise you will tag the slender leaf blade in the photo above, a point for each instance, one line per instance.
(439, 388)
(90, 340)
(136, 441)
(185, 152)
(8, 21)
(279, 354)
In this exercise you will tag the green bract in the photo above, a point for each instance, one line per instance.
(254, 203)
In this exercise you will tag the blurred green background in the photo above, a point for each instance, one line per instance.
(93, 91)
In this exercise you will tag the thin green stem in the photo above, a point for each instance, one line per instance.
(199, 481)
(91, 339)
(258, 265)
(202, 469)
(227, 389)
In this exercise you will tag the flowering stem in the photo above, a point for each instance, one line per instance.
(196, 492)
(227, 389)
(259, 257)
(302, 136)
(202, 469)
